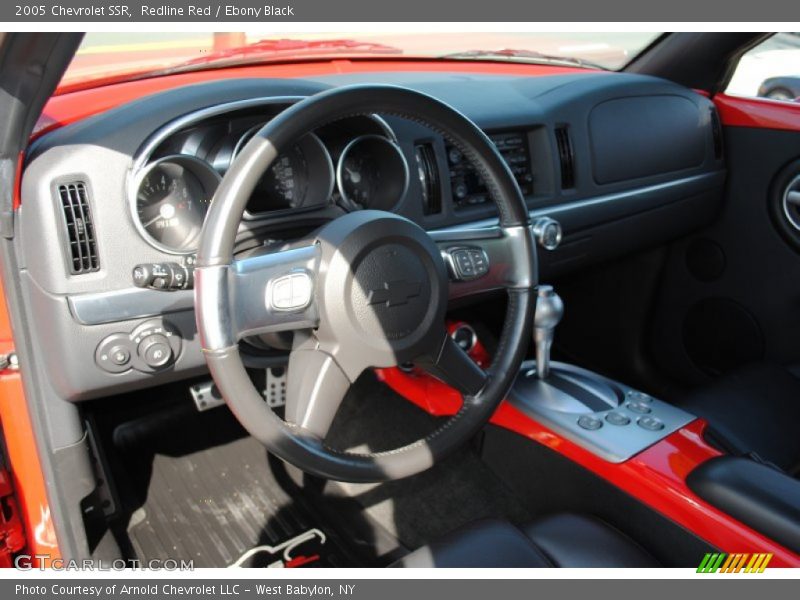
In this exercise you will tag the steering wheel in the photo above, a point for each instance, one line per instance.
(369, 289)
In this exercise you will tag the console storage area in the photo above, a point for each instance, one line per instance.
(756, 494)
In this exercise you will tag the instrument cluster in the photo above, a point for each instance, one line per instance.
(355, 164)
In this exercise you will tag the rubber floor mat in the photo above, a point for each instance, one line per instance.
(207, 494)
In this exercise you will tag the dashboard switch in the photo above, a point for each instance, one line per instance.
(548, 233)
(155, 351)
(164, 276)
(113, 354)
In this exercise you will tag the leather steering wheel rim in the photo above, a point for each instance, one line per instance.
(221, 282)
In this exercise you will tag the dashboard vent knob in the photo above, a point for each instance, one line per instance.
(78, 228)
(566, 157)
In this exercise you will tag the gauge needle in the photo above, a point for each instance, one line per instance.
(151, 221)
(355, 176)
(167, 211)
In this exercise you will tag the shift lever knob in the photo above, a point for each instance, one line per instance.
(549, 310)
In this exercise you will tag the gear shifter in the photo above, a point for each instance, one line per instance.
(549, 310)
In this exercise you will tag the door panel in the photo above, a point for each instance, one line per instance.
(730, 294)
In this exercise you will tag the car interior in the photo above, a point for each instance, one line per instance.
(434, 316)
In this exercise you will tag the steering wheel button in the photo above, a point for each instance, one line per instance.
(479, 262)
(290, 292)
(589, 422)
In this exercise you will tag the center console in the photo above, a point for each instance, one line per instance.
(608, 418)
(564, 429)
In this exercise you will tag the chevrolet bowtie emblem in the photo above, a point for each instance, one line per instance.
(394, 293)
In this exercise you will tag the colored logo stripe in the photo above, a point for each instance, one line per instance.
(722, 562)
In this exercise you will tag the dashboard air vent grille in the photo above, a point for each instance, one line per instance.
(716, 130)
(79, 229)
(566, 157)
(428, 172)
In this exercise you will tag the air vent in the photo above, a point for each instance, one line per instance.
(428, 172)
(78, 228)
(566, 157)
(716, 131)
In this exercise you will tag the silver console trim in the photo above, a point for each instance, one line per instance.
(614, 443)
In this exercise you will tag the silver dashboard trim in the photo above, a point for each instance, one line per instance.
(134, 303)
(556, 209)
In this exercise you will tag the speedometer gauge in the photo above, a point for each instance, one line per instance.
(301, 177)
(172, 198)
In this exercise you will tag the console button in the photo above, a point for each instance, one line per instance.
(650, 423)
(635, 396)
(589, 422)
(616, 418)
(639, 407)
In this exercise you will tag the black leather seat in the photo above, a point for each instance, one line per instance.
(564, 540)
(754, 411)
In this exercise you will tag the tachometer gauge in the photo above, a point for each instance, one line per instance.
(372, 173)
(172, 198)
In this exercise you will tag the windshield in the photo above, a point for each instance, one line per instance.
(120, 55)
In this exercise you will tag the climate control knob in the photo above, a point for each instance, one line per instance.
(155, 351)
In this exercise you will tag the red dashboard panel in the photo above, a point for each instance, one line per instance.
(656, 477)
(758, 113)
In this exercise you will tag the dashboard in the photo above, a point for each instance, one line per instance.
(621, 161)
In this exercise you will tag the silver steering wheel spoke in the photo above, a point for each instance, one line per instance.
(315, 388)
(259, 294)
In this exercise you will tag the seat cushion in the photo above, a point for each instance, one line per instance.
(564, 540)
(490, 543)
(569, 540)
(753, 410)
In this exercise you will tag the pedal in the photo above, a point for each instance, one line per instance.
(275, 390)
(206, 396)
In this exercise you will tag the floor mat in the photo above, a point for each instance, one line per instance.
(423, 508)
(207, 494)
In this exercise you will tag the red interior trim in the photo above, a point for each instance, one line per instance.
(23, 454)
(656, 476)
(760, 113)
